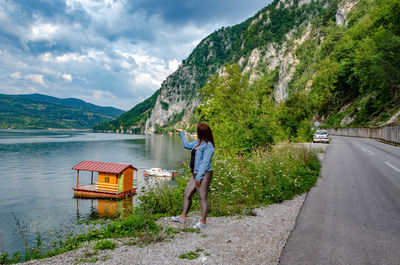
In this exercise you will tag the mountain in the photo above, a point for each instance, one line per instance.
(41, 111)
(132, 118)
(340, 54)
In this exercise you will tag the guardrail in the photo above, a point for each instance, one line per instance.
(389, 133)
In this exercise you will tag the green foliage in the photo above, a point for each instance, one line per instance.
(164, 105)
(165, 199)
(324, 85)
(304, 132)
(294, 116)
(280, 22)
(242, 182)
(263, 177)
(139, 224)
(130, 226)
(105, 244)
(242, 116)
(358, 61)
(6, 259)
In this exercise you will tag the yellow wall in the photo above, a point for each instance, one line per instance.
(126, 179)
(112, 180)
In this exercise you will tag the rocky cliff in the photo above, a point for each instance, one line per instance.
(282, 39)
(264, 43)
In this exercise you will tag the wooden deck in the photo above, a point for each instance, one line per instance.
(90, 191)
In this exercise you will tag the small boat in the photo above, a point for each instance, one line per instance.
(158, 172)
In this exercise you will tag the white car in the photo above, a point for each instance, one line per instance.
(321, 136)
(158, 172)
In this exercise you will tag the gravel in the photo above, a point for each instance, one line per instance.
(257, 239)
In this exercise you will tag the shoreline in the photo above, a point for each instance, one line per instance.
(254, 239)
(258, 238)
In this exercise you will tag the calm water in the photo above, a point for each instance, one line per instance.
(37, 179)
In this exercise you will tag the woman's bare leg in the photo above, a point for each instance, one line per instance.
(190, 189)
(203, 195)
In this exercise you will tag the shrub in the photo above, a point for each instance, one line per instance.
(242, 182)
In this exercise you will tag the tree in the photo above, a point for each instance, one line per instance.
(241, 116)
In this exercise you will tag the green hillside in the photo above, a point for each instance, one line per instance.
(355, 71)
(41, 111)
(137, 115)
(339, 73)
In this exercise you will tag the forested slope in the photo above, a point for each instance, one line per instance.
(332, 61)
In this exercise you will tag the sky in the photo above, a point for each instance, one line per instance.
(106, 52)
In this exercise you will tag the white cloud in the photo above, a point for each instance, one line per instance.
(67, 77)
(91, 54)
(45, 31)
(108, 15)
(173, 65)
(35, 78)
(16, 75)
(100, 94)
(143, 79)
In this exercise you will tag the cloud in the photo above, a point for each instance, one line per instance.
(35, 78)
(107, 52)
(16, 75)
(44, 32)
(67, 77)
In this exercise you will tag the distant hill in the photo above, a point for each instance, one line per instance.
(41, 111)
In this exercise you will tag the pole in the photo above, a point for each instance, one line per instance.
(77, 179)
(91, 181)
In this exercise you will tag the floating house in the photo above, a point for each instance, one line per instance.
(113, 180)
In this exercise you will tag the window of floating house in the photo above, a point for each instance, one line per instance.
(107, 179)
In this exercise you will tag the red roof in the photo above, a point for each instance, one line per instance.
(102, 167)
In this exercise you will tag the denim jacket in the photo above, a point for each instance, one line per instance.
(202, 160)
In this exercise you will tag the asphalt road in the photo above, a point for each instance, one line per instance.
(352, 216)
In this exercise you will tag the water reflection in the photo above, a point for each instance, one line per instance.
(104, 208)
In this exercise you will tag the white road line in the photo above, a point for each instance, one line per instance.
(366, 150)
(390, 165)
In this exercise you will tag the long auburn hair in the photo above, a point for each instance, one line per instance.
(204, 133)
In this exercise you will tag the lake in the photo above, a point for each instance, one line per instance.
(37, 178)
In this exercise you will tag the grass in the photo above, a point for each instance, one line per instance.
(240, 184)
(190, 255)
(193, 254)
(105, 244)
(92, 260)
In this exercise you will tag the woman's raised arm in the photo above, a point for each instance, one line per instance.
(185, 143)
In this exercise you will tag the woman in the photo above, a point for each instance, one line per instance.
(200, 164)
